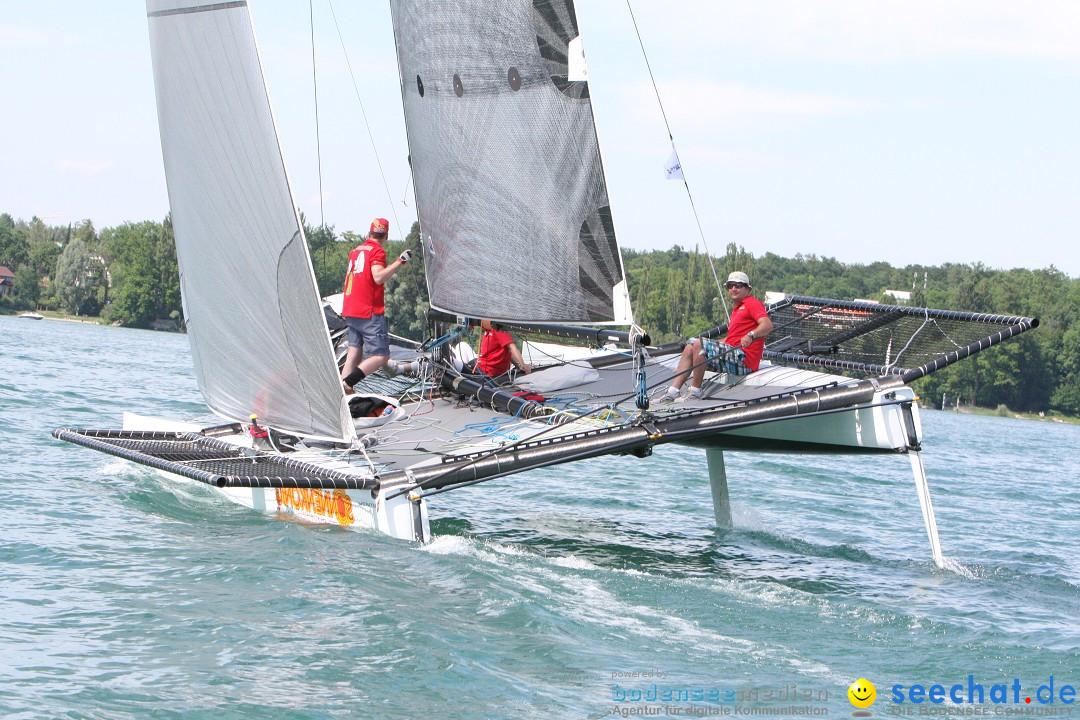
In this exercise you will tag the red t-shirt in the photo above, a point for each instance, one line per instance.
(362, 295)
(744, 318)
(494, 353)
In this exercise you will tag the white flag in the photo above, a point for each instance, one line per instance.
(673, 169)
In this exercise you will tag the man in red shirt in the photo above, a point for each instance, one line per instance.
(739, 354)
(363, 307)
(497, 351)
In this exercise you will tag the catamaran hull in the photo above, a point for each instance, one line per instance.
(364, 510)
(888, 424)
(349, 509)
(877, 424)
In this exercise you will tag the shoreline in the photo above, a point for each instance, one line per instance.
(72, 319)
(966, 410)
(53, 315)
(1016, 415)
(85, 320)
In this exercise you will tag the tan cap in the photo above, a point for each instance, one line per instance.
(739, 277)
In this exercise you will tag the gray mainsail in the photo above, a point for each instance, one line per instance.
(254, 321)
(509, 184)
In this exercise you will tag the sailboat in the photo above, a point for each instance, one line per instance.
(507, 174)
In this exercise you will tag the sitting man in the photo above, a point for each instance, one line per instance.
(739, 354)
(497, 352)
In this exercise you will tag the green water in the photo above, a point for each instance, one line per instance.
(546, 595)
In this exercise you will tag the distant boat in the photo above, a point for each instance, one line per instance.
(32, 316)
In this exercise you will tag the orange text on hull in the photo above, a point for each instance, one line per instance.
(336, 505)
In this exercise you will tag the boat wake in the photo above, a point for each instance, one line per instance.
(955, 566)
(584, 592)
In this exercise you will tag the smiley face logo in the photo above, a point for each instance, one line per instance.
(862, 693)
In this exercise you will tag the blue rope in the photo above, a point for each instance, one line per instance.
(455, 334)
(642, 398)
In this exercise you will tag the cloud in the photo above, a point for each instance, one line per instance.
(80, 167)
(690, 103)
(14, 35)
(722, 99)
(10, 35)
(856, 31)
(704, 156)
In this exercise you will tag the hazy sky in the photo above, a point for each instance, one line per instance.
(915, 132)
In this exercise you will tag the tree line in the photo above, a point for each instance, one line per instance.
(128, 275)
(674, 295)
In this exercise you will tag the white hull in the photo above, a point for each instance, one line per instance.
(880, 426)
(348, 509)
(399, 518)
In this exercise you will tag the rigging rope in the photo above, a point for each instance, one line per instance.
(424, 486)
(641, 401)
(315, 86)
(889, 365)
(367, 125)
(686, 184)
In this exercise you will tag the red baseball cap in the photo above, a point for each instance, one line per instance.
(380, 226)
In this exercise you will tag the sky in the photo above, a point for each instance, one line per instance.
(922, 132)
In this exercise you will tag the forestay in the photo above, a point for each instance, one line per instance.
(509, 184)
(257, 333)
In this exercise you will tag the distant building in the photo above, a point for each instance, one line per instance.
(771, 297)
(900, 296)
(7, 280)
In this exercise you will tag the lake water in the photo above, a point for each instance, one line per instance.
(579, 591)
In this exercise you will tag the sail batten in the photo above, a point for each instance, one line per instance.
(509, 183)
(186, 9)
(254, 319)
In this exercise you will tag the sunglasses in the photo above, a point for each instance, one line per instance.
(735, 285)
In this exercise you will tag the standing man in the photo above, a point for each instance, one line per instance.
(739, 354)
(363, 308)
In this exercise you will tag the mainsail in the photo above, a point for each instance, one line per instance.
(257, 333)
(509, 185)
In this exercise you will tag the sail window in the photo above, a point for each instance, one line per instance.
(514, 78)
(420, 85)
(459, 89)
